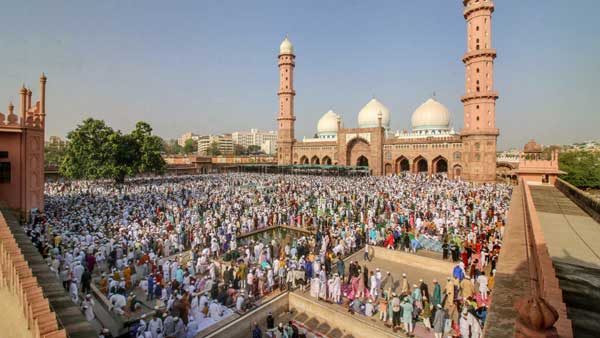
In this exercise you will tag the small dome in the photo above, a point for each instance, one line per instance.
(286, 47)
(431, 115)
(532, 147)
(369, 115)
(328, 124)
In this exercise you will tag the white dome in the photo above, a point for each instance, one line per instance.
(328, 124)
(431, 115)
(369, 114)
(286, 47)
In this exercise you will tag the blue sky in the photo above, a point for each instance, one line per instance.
(211, 66)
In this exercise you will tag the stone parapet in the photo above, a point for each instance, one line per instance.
(17, 277)
(584, 200)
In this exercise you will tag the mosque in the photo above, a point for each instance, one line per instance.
(432, 146)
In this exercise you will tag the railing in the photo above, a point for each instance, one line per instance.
(16, 275)
(544, 313)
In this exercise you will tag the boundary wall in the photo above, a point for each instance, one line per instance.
(16, 275)
(583, 200)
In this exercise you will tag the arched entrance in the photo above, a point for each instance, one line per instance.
(388, 169)
(362, 161)
(457, 171)
(356, 149)
(420, 165)
(402, 165)
(315, 160)
(303, 160)
(326, 160)
(440, 165)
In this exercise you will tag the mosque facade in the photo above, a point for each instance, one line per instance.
(431, 147)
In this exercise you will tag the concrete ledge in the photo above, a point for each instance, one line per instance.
(337, 317)
(584, 200)
(242, 326)
(432, 264)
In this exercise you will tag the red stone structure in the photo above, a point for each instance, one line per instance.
(432, 146)
(22, 152)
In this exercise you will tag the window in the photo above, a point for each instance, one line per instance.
(4, 172)
(477, 145)
(477, 118)
(3, 154)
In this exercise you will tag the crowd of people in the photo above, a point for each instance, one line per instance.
(167, 249)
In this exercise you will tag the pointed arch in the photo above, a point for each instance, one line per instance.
(402, 164)
(362, 161)
(326, 160)
(388, 169)
(303, 160)
(457, 171)
(315, 160)
(439, 165)
(420, 165)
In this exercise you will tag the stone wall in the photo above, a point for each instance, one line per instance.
(242, 327)
(584, 200)
(436, 265)
(17, 277)
(357, 326)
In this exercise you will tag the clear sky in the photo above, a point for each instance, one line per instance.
(211, 66)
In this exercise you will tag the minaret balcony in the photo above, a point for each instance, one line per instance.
(489, 52)
(484, 95)
(478, 6)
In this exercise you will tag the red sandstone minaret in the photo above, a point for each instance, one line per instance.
(479, 130)
(286, 93)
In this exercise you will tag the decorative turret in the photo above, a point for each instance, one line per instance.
(12, 119)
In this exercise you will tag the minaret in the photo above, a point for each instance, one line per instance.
(479, 130)
(286, 93)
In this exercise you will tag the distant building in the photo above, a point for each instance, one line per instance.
(224, 142)
(183, 138)
(269, 147)
(254, 137)
(56, 141)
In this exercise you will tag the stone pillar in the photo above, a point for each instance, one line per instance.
(42, 111)
(23, 94)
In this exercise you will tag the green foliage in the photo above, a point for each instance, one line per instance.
(190, 146)
(239, 149)
(213, 149)
(171, 147)
(582, 167)
(254, 149)
(96, 151)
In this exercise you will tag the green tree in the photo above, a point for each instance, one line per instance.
(89, 153)
(582, 167)
(239, 149)
(171, 147)
(190, 146)
(149, 149)
(254, 149)
(96, 151)
(213, 149)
